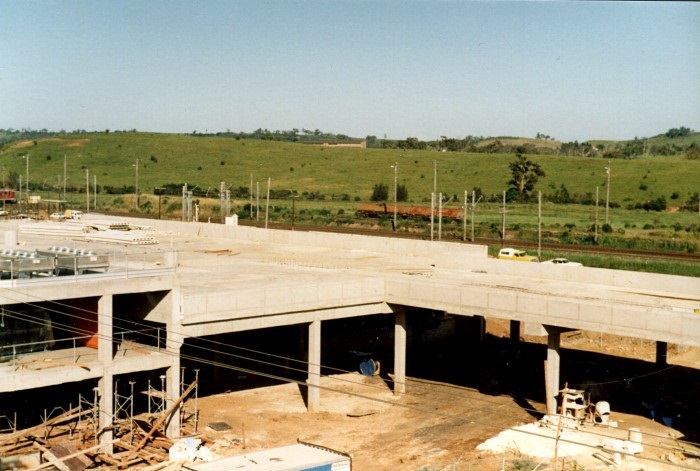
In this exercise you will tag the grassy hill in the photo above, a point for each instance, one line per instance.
(203, 162)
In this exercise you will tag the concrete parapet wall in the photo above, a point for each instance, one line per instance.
(446, 254)
(597, 276)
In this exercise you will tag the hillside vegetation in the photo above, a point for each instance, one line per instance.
(324, 172)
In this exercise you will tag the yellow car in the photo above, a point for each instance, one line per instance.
(515, 254)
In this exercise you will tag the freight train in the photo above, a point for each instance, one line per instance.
(407, 211)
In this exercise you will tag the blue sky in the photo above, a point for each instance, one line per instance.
(572, 70)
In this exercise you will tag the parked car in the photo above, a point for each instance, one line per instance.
(563, 262)
(515, 254)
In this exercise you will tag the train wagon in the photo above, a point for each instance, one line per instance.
(407, 211)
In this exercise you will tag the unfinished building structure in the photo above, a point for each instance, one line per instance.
(103, 326)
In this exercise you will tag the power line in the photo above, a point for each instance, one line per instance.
(201, 360)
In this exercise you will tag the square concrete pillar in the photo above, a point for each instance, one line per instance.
(105, 385)
(400, 352)
(173, 344)
(314, 379)
(552, 369)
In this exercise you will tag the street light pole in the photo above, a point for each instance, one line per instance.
(396, 182)
(87, 190)
(607, 193)
(27, 157)
(137, 182)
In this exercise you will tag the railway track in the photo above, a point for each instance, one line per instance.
(568, 248)
(450, 237)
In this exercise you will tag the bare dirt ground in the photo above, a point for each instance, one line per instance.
(434, 426)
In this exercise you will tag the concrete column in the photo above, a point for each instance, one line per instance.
(552, 369)
(515, 331)
(105, 385)
(400, 351)
(479, 328)
(661, 353)
(314, 378)
(173, 343)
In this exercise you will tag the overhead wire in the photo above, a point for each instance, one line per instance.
(271, 376)
(286, 359)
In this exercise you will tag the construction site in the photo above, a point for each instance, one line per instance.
(177, 345)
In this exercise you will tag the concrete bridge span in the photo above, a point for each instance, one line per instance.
(226, 279)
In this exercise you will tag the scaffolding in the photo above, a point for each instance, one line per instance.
(80, 426)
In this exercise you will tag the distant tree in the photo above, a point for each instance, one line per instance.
(401, 193)
(380, 192)
(678, 132)
(525, 174)
(561, 195)
(692, 203)
(693, 152)
(478, 193)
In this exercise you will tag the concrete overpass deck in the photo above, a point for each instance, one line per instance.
(233, 278)
(248, 276)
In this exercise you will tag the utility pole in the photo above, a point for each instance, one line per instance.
(464, 218)
(87, 190)
(27, 157)
(64, 175)
(396, 182)
(539, 225)
(432, 215)
(607, 194)
(184, 201)
(473, 204)
(222, 195)
(503, 223)
(267, 202)
(595, 233)
(440, 217)
(137, 182)
(432, 203)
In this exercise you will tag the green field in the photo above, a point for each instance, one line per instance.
(204, 162)
(330, 182)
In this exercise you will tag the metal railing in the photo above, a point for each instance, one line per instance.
(68, 351)
(45, 268)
